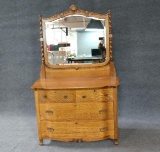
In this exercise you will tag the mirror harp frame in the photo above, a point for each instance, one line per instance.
(74, 10)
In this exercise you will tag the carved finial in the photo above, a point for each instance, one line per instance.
(40, 17)
(73, 8)
(109, 12)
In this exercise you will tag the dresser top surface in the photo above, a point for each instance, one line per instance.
(76, 83)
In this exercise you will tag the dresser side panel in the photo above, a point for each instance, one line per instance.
(38, 115)
(115, 111)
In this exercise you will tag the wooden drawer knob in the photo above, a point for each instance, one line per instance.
(84, 97)
(49, 111)
(65, 97)
(106, 95)
(45, 96)
(50, 129)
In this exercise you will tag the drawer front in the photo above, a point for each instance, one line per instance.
(76, 111)
(82, 130)
(95, 95)
(56, 96)
(57, 111)
(94, 111)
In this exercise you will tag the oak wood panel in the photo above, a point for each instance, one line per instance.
(38, 116)
(81, 95)
(56, 96)
(77, 72)
(115, 111)
(78, 130)
(94, 95)
(77, 111)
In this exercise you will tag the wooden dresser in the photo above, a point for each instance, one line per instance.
(77, 102)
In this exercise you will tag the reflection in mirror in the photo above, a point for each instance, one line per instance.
(75, 39)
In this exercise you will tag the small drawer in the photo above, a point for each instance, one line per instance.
(94, 111)
(56, 96)
(94, 95)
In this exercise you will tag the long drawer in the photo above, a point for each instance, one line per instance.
(76, 111)
(78, 130)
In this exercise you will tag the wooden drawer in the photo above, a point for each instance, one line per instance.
(56, 96)
(76, 111)
(78, 130)
(94, 95)
(57, 111)
(95, 111)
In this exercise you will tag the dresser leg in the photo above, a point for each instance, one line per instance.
(115, 141)
(41, 142)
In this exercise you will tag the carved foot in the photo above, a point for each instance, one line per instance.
(115, 141)
(41, 142)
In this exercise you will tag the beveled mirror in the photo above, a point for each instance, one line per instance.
(76, 38)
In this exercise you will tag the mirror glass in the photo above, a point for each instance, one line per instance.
(75, 40)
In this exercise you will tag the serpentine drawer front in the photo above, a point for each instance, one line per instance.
(78, 130)
(76, 111)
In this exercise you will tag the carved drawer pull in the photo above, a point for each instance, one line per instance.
(50, 129)
(102, 111)
(65, 97)
(84, 97)
(107, 97)
(49, 111)
(103, 129)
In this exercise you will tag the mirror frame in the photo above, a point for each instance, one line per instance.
(74, 10)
